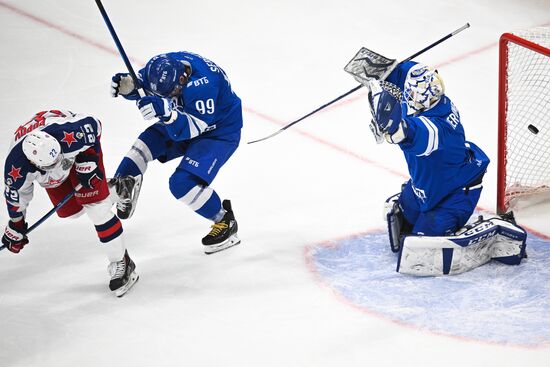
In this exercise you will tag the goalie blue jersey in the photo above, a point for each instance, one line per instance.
(439, 159)
(207, 103)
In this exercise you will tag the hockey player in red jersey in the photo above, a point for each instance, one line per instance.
(61, 151)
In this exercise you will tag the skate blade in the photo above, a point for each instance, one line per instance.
(134, 277)
(230, 242)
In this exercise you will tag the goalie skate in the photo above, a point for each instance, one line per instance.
(223, 233)
(123, 275)
(127, 189)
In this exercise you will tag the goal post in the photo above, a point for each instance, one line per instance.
(523, 116)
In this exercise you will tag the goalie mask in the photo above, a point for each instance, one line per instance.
(165, 76)
(423, 88)
(42, 149)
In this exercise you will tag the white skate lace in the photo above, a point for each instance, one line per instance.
(117, 269)
(123, 205)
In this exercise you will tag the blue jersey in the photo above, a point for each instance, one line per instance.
(439, 158)
(75, 133)
(207, 104)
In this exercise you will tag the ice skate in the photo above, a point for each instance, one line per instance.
(123, 275)
(127, 189)
(223, 234)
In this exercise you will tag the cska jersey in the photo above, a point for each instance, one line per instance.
(207, 102)
(439, 158)
(74, 132)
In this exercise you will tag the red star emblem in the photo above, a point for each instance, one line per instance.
(15, 173)
(68, 138)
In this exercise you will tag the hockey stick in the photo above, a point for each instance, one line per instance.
(121, 51)
(467, 25)
(49, 214)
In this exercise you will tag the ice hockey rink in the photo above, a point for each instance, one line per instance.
(313, 282)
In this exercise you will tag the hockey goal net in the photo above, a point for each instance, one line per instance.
(524, 116)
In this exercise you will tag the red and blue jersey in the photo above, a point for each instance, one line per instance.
(74, 132)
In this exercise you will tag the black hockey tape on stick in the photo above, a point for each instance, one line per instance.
(49, 214)
(467, 25)
(121, 51)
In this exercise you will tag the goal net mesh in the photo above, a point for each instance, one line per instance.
(524, 116)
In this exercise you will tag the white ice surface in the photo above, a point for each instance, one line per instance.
(257, 304)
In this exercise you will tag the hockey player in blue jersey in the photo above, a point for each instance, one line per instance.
(61, 151)
(411, 110)
(198, 118)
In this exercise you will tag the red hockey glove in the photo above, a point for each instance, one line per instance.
(14, 236)
(87, 169)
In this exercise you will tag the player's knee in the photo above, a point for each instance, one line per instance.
(181, 183)
(137, 158)
(99, 212)
(193, 192)
(107, 225)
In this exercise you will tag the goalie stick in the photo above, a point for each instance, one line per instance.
(121, 51)
(467, 25)
(49, 214)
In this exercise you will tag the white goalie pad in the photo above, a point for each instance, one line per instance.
(471, 247)
(367, 65)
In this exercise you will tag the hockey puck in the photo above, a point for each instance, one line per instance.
(533, 129)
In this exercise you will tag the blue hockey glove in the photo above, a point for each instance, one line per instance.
(123, 85)
(154, 107)
(386, 111)
(15, 236)
(87, 170)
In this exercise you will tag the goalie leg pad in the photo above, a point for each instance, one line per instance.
(468, 249)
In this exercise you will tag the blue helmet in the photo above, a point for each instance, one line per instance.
(164, 76)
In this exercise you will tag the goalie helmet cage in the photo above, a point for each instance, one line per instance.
(523, 116)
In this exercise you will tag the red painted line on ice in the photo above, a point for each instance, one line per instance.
(60, 28)
(330, 144)
(315, 138)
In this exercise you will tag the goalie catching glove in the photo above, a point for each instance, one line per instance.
(15, 236)
(386, 110)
